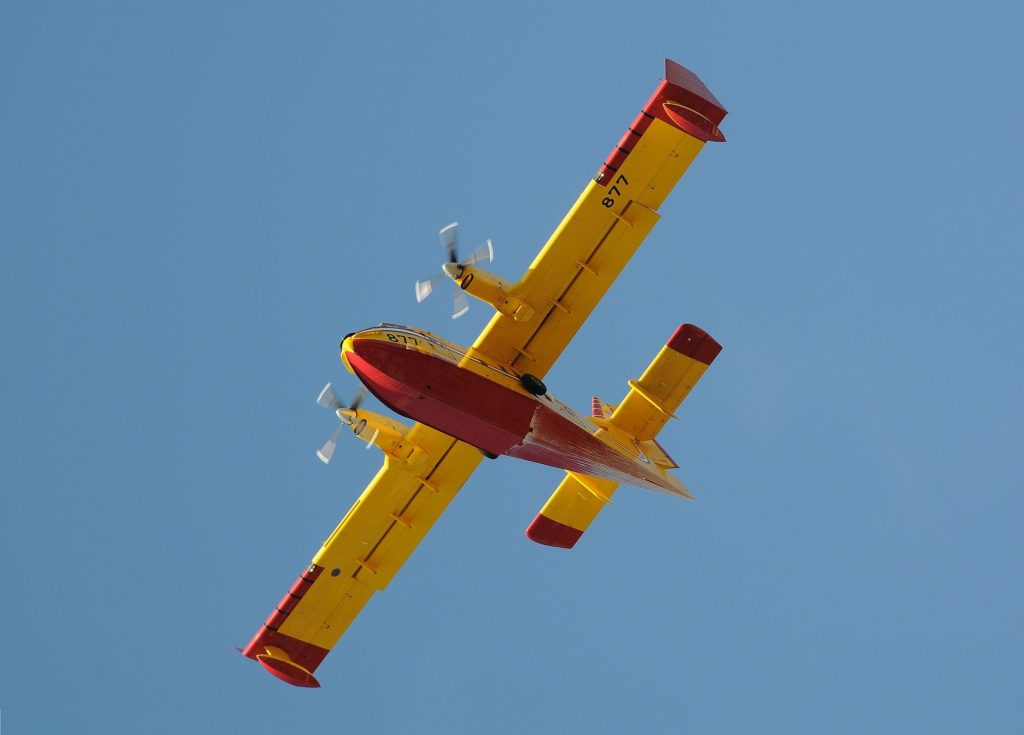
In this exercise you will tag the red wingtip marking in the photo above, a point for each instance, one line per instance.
(690, 106)
(694, 342)
(679, 76)
(682, 101)
(545, 531)
(305, 656)
(301, 657)
(288, 672)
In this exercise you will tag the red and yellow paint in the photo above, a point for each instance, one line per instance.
(535, 320)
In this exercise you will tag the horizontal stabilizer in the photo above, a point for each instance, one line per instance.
(570, 510)
(653, 399)
(651, 402)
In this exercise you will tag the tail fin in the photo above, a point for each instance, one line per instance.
(601, 410)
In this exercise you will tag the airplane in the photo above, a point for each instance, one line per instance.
(489, 400)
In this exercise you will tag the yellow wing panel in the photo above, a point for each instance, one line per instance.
(587, 252)
(362, 555)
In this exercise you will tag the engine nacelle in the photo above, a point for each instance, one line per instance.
(389, 436)
(490, 289)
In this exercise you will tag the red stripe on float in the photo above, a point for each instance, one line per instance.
(306, 655)
(288, 672)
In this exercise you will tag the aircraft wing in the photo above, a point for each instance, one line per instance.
(362, 555)
(606, 224)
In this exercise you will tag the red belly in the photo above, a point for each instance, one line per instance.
(442, 395)
(488, 415)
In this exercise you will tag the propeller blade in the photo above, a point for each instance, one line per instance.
(424, 288)
(358, 399)
(328, 399)
(448, 241)
(373, 438)
(483, 254)
(327, 450)
(460, 304)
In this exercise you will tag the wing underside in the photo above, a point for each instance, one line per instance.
(606, 225)
(362, 555)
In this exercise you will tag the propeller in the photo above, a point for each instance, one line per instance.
(453, 268)
(349, 415)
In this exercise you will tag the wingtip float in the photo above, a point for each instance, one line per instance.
(490, 399)
(280, 665)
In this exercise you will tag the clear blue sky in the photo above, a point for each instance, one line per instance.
(199, 199)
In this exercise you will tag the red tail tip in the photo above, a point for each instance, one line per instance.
(694, 342)
(545, 531)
